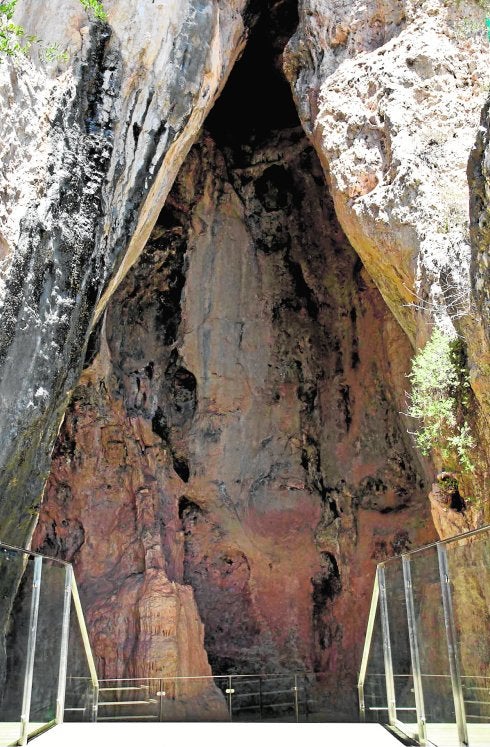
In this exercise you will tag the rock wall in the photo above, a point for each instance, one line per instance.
(234, 455)
(88, 156)
(479, 183)
(237, 427)
(391, 94)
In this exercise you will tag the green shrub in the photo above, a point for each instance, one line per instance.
(440, 399)
(15, 40)
(96, 8)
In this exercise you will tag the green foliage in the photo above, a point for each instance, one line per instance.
(15, 40)
(96, 8)
(440, 400)
(7, 9)
(53, 53)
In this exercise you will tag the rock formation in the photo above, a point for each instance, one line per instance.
(391, 95)
(479, 182)
(237, 426)
(88, 156)
(234, 460)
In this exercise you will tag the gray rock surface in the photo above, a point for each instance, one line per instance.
(391, 95)
(87, 158)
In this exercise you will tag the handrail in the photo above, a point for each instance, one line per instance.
(32, 553)
(446, 541)
(84, 634)
(467, 689)
(206, 677)
(367, 647)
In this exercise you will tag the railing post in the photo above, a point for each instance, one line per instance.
(31, 650)
(95, 705)
(414, 650)
(296, 704)
(362, 702)
(229, 692)
(65, 632)
(161, 695)
(388, 660)
(452, 645)
(260, 698)
(367, 648)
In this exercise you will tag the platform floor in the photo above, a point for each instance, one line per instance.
(446, 735)
(10, 732)
(207, 735)
(236, 735)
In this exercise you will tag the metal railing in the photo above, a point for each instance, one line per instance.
(45, 643)
(238, 697)
(425, 669)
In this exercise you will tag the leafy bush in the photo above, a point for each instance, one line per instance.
(96, 8)
(15, 40)
(440, 399)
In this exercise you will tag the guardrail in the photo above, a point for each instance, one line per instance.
(425, 669)
(45, 647)
(238, 697)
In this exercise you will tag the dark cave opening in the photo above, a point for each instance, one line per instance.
(257, 98)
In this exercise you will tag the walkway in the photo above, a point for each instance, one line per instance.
(205, 735)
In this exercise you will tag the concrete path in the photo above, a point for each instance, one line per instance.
(216, 735)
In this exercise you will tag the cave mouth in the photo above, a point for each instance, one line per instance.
(257, 98)
(316, 309)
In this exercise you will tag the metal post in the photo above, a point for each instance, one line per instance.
(414, 650)
(388, 660)
(452, 645)
(88, 651)
(367, 648)
(296, 704)
(65, 633)
(229, 692)
(260, 699)
(161, 694)
(362, 702)
(31, 650)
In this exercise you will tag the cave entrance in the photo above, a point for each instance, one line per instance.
(245, 368)
(257, 98)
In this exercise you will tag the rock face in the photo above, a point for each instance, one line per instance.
(391, 95)
(237, 427)
(479, 182)
(233, 460)
(88, 156)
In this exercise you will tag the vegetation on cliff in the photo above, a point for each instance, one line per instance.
(440, 399)
(14, 39)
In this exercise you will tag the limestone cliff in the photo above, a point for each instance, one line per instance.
(88, 155)
(234, 459)
(391, 94)
(237, 425)
(479, 182)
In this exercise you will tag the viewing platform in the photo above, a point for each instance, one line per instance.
(424, 676)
